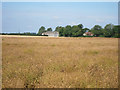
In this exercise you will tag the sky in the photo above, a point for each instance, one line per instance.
(30, 16)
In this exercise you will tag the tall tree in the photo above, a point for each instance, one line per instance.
(108, 30)
(80, 26)
(116, 30)
(75, 31)
(41, 30)
(97, 30)
(67, 31)
(60, 29)
(49, 29)
(87, 29)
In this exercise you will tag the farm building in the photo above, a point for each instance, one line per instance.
(51, 34)
(88, 34)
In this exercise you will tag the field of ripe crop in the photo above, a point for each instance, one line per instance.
(44, 62)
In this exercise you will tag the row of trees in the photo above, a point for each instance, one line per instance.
(109, 30)
(71, 31)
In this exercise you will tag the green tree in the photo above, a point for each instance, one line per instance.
(80, 26)
(108, 30)
(67, 31)
(41, 30)
(116, 30)
(49, 29)
(87, 29)
(97, 30)
(81, 30)
(75, 31)
(60, 29)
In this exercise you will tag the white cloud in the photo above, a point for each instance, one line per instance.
(100, 20)
(57, 17)
(103, 17)
(73, 23)
(59, 22)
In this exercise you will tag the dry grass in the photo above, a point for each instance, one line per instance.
(59, 62)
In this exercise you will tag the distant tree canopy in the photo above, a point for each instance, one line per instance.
(49, 29)
(97, 30)
(109, 30)
(41, 30)
(71, 31)
(60, 30)
(116, 31)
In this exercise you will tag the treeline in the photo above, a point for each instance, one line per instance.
(27, 33)
(109, 30)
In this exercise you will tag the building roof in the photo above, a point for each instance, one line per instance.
(88, 33)
(50, 32)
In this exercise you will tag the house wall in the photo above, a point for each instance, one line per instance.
(53, 35)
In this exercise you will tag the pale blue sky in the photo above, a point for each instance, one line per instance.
(30, 16)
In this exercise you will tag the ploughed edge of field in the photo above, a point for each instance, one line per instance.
(22, 36)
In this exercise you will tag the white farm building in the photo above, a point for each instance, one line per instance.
(51, 34)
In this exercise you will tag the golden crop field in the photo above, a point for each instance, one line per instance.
(44, 62)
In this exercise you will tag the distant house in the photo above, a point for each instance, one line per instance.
(88, 34)
(51, 34)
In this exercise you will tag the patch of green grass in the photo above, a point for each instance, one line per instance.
(53, 45)
(91, 52)
(28, 51)
(7, 44)
(94, 52)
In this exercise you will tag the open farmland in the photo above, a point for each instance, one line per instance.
(44, 62)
